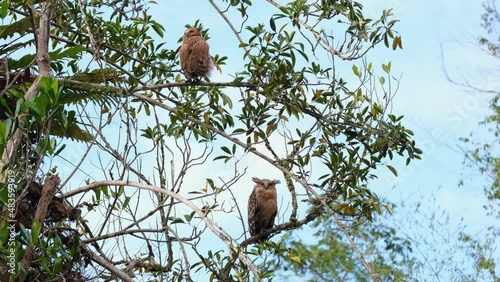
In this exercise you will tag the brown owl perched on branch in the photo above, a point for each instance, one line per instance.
(195, 58)
(262, 205)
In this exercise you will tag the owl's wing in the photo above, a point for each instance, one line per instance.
(270, 223)
(183, 55)
(252, 212)
(200, 49)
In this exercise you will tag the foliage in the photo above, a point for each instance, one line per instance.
(115, 84)
(427, 246)
(330, 257)
(433, 247)
(484, 155)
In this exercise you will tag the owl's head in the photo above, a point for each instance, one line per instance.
(194, 31)
(266, 183)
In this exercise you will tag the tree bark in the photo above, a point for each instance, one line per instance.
(43, 60)
(48, 192)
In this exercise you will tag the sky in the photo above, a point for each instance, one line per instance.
(437, 35)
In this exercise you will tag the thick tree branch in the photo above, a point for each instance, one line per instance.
(219, 232)
(276, 164)
(108, 265)
(43, 60)
(48, 192)
(278, 228)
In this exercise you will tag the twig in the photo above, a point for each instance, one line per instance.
(219, 232)
(304, 184)
(231, 26)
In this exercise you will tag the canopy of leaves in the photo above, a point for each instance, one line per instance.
(484, 155)
(331, 258)
(117, 87)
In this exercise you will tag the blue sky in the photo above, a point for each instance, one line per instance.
(436, 110)
(437, 35)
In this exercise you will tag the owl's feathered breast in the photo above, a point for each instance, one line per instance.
(266, 201)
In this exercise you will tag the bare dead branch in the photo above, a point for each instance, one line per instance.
(219, 232)
(276, 164)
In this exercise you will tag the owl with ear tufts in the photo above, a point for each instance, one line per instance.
(194, 55)
(262, 205)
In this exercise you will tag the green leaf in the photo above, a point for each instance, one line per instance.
(125, 203)
(356, 71)
(189, 217)
(31, 105)
(97, 192)
(272, 24)
(387, 68)
(221, 158)
(3, 131)
(76, 244)
(121, 190)
(69, 53)
(392, 169)
(48, 85)
(177, 220)
(227, 101)
(4, 9)
(226, 150)
(20, 27)
(72, 131)
(105, 190)
(396, 42)
(382, 80)
(57, 265)
(211, 183)
(158, 28)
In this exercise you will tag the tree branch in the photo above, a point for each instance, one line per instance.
(48, 192)
(218, 231)
(43, 60)
(304, 184)
(278, 228)
(323, 43)
(108, 265)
